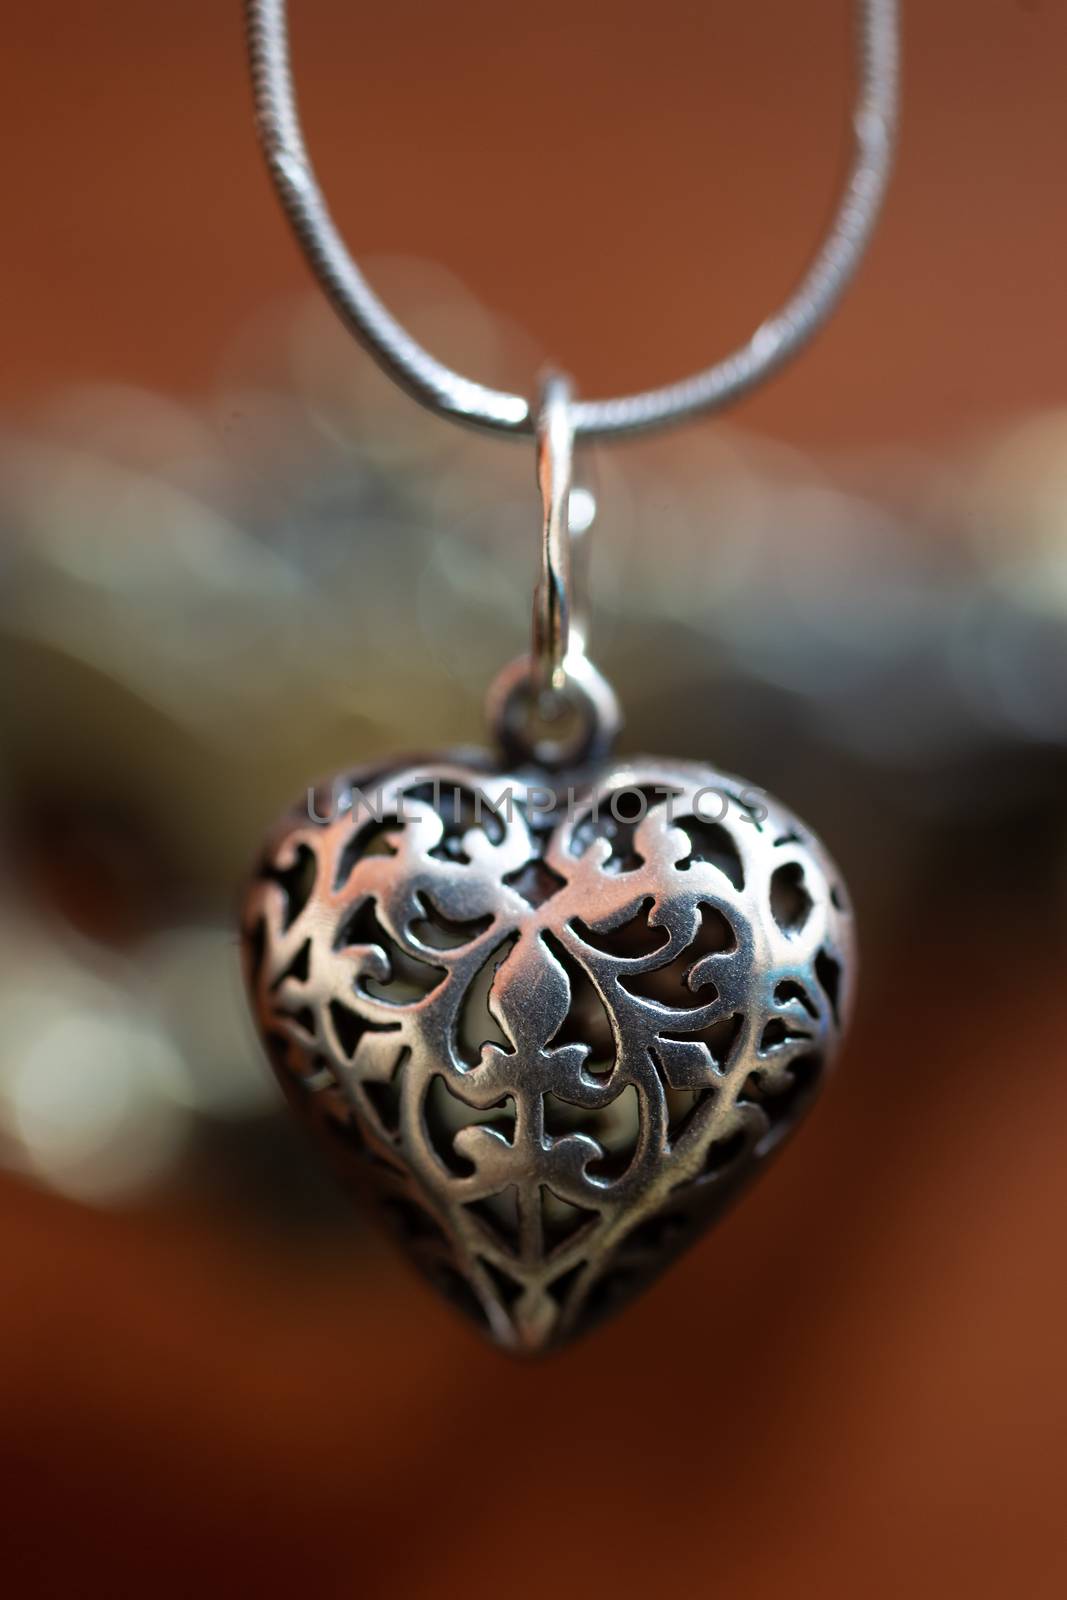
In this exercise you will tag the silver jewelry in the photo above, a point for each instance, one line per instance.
(552, 1010)
(429, 381)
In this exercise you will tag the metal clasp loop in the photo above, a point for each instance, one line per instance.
(558, 624)
(553, 706)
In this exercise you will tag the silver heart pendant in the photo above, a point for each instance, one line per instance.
(553, 1026)
(552, 1012)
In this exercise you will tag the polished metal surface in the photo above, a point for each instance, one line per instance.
(554, 1028)
(554, 595)
(554, 708)
(582, 721)
(554, 1017)
(447, 392)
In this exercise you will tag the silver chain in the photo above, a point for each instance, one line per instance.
(447, 392)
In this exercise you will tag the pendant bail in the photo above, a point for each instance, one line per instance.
(553, 706)
(555, 612)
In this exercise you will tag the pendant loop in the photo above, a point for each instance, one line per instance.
(553, 706)
(559, 730)
(554, 610)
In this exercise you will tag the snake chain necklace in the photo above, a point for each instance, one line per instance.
(548, 1009)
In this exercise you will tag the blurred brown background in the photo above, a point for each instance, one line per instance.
(220, 1382)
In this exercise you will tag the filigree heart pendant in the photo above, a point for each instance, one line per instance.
(551, 1011)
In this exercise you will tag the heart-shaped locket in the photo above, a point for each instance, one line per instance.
(556, 1024)
(555, 1028)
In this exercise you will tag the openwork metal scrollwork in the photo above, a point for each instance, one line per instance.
(555, 1034)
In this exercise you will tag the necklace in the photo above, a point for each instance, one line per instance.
(551, 1011)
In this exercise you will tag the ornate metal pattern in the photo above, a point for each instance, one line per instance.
(555, 1044)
